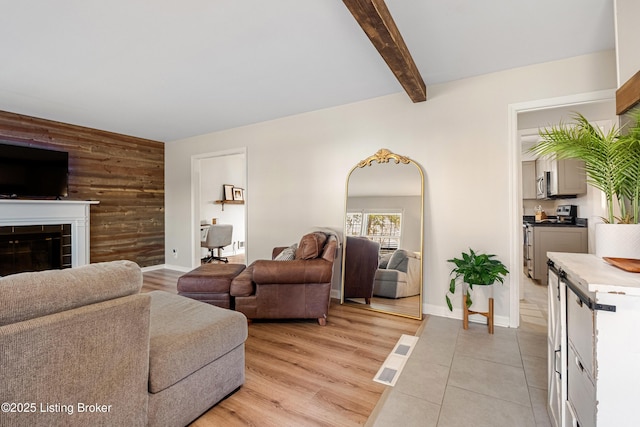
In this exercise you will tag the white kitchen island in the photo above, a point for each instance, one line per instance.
(594, 342)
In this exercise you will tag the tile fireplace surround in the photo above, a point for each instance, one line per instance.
(47, 212)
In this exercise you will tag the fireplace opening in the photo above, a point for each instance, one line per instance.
(34, 248)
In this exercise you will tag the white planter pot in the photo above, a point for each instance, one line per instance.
(618, 240)
(480, 296)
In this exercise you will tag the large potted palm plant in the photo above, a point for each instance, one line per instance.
(612, 165)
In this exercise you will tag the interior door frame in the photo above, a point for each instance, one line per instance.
(196, 161)
(515, 183)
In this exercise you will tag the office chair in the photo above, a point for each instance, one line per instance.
(218, 236)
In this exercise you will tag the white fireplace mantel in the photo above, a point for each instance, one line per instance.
(47, 212)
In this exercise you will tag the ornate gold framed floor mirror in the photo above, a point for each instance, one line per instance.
(383, 235)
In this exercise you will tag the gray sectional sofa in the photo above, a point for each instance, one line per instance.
(398, 275)
(83, 346)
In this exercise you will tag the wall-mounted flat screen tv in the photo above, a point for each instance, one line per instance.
(28, 172)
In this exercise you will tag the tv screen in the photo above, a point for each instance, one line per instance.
(33, 172)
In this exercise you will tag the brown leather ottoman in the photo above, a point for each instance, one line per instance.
(210, 283)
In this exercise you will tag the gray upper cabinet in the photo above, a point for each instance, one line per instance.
(567, 177)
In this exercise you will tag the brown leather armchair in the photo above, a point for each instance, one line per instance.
(361, 263)
(299, 288)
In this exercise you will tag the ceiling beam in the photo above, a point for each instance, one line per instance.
(376, 21)
(628, 95)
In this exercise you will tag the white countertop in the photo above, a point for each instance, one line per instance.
(595, 274)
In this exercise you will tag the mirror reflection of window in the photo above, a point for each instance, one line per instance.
(354, 224)
(379, 226)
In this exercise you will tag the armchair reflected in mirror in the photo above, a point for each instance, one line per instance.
(384, 206)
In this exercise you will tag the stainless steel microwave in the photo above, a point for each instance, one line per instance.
(542, 185)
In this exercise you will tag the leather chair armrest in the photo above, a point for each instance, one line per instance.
(242, 284)
(291, 272)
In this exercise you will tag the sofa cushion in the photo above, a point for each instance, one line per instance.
(34, 294)
(390, 284)
(287, 254)
(399, 261)
(186, 335)
(391, 276)
(311, 245)
(383, 260)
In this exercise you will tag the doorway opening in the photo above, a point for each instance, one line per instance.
(523, 116)
(212, 174)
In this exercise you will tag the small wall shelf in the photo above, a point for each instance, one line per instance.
(228, 202)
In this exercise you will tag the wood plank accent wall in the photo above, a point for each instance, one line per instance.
(124, 173)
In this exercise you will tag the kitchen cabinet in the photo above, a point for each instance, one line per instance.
(565, 178)
(556, 364)
(593, 345)
(543, 238)
(529, 180)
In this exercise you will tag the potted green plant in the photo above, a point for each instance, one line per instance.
(475, 269)
(612, 165)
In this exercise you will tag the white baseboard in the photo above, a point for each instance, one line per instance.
(226, 252)
(436, 310)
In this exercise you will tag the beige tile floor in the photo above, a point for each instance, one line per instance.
(458, 377)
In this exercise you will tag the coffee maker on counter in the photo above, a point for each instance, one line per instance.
(566, 214)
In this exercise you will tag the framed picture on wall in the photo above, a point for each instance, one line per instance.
(228, 191)
(238, 193)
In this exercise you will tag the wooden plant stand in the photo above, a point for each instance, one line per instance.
(466, 312)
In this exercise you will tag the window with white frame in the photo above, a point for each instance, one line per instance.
(382, 226)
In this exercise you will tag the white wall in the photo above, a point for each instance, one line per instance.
(297, 165)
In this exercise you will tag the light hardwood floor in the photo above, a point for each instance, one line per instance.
(301, 374)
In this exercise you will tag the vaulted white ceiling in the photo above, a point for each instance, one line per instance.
(167, 70)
